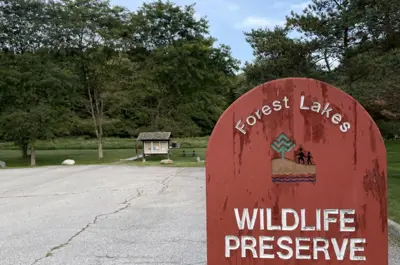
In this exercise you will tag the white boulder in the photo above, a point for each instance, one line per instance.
(199, 160)
(68, 162)
(167, 161)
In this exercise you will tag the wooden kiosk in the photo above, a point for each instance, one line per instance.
(155, 143)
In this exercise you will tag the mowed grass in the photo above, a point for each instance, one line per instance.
(56, 157)
(84, 152)
(393, 156)
(111, 156)
(81, 143)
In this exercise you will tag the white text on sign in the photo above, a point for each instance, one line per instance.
(286, 247)
(325, 110)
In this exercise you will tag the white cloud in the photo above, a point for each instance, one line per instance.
(300, 6)
(232, 6)
(296, 7)
(278, 4)
(258, 22)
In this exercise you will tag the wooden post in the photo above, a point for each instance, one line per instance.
(296, 174)
(169, 150)
(143, 155)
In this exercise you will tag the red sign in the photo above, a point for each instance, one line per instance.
(296, 174)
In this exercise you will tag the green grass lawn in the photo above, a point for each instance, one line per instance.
(84, 152)
(393, 155)
(85, 157)
(55, 157)
(109, 143)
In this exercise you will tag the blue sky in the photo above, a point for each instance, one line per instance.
(229, 18)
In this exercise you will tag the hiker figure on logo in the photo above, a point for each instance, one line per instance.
(300, 156)
(309, 162)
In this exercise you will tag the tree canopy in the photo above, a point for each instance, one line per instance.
(89, 68)
(351, 44)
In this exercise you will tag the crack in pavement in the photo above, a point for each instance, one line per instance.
(166, 181)
(126, 203)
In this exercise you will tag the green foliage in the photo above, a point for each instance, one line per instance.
(160, 24)
(351, 44)
(85, 67)
(36, 98)
(181, 81)
(22, 25)
(278, 56)
(90, 69)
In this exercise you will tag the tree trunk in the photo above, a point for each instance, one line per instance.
(345, 39)
(326, 60)
(96, 111)
(33, 155)
(24, 149)
(100, 148)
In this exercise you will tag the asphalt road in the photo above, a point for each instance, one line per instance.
(108, 215)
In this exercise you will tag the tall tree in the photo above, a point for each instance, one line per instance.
(36, 95)
(277, 56)
(357, 42)
(92, 34)
(24, 28)
(183, 79)
(331, 25)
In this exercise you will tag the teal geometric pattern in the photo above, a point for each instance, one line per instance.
(282, 144)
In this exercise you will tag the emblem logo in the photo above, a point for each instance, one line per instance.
(301, 169)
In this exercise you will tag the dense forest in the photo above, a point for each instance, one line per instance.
(88, 68)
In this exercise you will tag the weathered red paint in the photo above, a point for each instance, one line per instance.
(350, 171)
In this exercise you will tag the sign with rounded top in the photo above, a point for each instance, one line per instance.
(296, 174)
